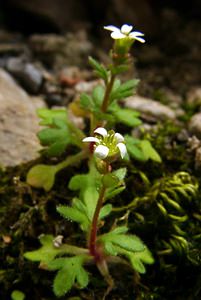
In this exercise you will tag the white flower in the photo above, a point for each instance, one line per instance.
(107, 144)
(125, 32)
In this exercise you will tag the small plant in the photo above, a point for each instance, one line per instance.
(101, 149)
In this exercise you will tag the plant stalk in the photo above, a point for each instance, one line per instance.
(107, 94)
(94, 226)
(70, 160)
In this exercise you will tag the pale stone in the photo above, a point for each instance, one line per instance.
(150, 109)
(18, 123)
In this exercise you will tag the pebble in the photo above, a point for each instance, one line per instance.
(87, 86)
(18, 123)
(194, 96)
(150, 110)
(27, 74)
(54, 99)
(194, 125)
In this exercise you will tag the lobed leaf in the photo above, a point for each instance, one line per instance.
(86, 102)
(70, 271)
(100, 70)
(124, 90)
(149, 152)
(48, 115)
(77, 212)
(46, 253)
(127, 117)
(138, 260)
(122, 242)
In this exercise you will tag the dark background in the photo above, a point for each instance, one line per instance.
(68, 15)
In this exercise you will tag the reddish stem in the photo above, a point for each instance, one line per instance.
(94, 226)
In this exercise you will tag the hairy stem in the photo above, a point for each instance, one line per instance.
(94, 226)
(107, 94)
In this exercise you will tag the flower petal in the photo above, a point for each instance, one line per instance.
(90, 139)
(122, 149)
(111, 28)
(135, 35)
(101, 151)
(116, 35)
(119, 137)
(141, 40)
(126, 28)
(102, 131)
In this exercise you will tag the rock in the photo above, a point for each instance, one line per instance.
(198, 159)
(58, 51)
(150, 110)
(195, 125)
(54, 99)
(193, 143)
(26, 73)
(71, 75)
(18, 124)
(194, 96)
(87, 86)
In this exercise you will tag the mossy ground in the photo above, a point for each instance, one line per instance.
(25, 213)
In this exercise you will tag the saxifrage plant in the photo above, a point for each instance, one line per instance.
(101, 149)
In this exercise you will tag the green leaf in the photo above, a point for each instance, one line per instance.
(48, 115)
(78, 182)
(128, 242)
(101, 71)
(82, 277)
(127, 117)
(98, 95)
(149, 152)
(42, 176)
(70, 271)
(56, 139)
(88, 185)
(63, 281)
(133, 148)
(120, 173)
(119, 69)
(105, 211)
(104, 116)
(124, 90)
(139, 258)
(122, 241)
(46, 253)
(110, 180)
(120, 229)
(119, 184)
(112, 192)
(17, 295)
(75, 214)
(78, 212)
(86, 102)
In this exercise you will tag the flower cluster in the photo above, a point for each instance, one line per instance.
(107, 145)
